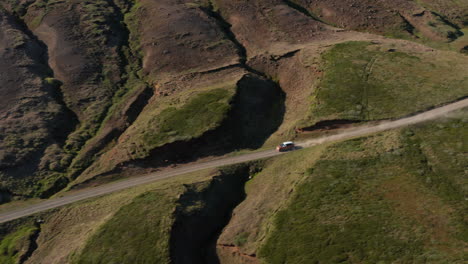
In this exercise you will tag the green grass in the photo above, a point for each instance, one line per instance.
(365, 82)
(50, 184)
(140, 232)
(390, 198)
(11, 244)
(131, 19)
(204, 111)
(137, 233)
(71, 228)
(131, 77)
(201, 113)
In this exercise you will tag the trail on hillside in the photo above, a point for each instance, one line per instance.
(222, 161)
(390, 124)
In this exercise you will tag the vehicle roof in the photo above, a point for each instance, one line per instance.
(288, 143)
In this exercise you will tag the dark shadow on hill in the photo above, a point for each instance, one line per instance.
(202, 213)
(257, 111)
(330, 124)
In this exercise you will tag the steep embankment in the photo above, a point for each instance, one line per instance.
(133, 82)
(172, 221)
(82, 48)
(365, 81)
(427, 21)
(34, 120)
(395, 196)
(410, 179)
(97, 90)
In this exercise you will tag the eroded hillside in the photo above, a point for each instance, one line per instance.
(94, 91)
(119, 84)
(397, 196)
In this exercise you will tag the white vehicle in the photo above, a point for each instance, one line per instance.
(286, 146)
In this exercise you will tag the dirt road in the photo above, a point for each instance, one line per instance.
(127, 183)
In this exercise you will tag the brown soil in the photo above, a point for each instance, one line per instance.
(63, 63)
(175, 49)
(32, 115)
(75, 56)
(231, 254)
(178, 37)
(392, 18)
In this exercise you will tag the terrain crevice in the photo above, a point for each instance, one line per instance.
(410, 28)
(54, 85)
(62, 133)
(226, 29)
(303, 10)
(329, 125)
(32, 246)
(203, 211)
(285, 55)
(222, 68)
(257, 111)
(115, 123)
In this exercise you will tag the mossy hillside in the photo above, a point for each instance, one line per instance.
(16, 6)
(108, 39)
(131, 83)
(203, 112)
(13, 244)
(194, 111)
(66, 230)
(443, 28)
(449, 20)
(370, 82)
(106, 35)
(380, 199)
(268, 190)
(134, 85)
(131, 10)
(83, 159)
(105, 42)
(137, 233)
(149, 228)
(102, 39)
(443, 32)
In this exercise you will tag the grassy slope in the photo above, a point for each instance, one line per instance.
(266, 192)
(100, 35)
(118, 222)
(133, 82)
(13, 244)
(366, 82)
(183, 117)
(343, 200)
(203, 112)
(142, 227)
(450, 15)
(393, 197)
(146, 224)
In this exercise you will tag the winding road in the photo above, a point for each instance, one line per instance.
(131, 182)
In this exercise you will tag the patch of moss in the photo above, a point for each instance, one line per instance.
(363, 82)
(13, 243)
(142, 230)
(202, 113)
(372, 201)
